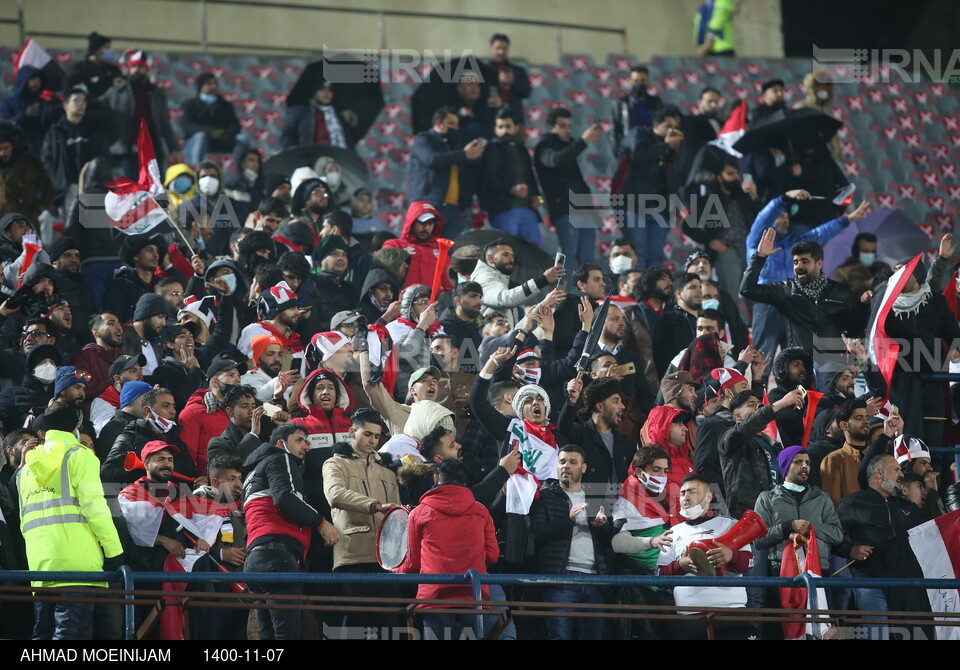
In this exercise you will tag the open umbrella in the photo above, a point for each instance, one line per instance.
(355, 173)
(441, 89)
(794, 129)
(531, 260)
(898, 237)
(352, 95)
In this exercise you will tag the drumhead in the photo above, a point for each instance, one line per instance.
(392, 538)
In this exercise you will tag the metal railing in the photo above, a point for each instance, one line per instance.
(128, 594)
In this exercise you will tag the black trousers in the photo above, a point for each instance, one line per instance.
(275, 624)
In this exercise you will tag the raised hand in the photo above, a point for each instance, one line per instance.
(767, 241)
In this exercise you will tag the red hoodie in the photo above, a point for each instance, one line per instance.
(423, 255)
(322, 429)
(449, 532)
(681, 458)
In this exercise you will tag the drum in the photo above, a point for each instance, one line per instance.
(392, 538)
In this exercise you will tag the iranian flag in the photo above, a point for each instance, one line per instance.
(733, 130)
(132, 204)
(936, 544)
(882, 350)
(801, 554)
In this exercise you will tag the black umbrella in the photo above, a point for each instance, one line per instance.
(796, 129)
(355, 173)
(593, 337)
(352, 96)
(531, 260)
(441, 89)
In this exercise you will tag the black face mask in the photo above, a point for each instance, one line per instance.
(452, 136)
(733, 186)
(638, 90)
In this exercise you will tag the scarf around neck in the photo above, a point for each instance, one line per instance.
(814, 288)
(910, 303)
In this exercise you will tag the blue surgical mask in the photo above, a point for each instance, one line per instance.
(201, 243)
(796, 488)
(208, 98)
(868, 259)
(109, 56)
(182, 184)
(711, 303)
(231, 281)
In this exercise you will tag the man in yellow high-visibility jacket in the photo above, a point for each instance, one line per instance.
(65, 521)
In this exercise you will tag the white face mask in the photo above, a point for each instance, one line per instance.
(823, 95)
(208, 185)
(868, 259)
(250, 175)
(790, 486)
(333, 179)
(621, 264)
(695, 512)
(528, 375)
(45, 373)
(653, 484)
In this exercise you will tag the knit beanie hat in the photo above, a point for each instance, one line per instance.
(526, 393)
(330, 343)
(260, 343)
(60, 245)
(276, 300)
(785, 458)
(201, 307)
(149, 304)
(66, 377)
(95, 40)
(131, 391)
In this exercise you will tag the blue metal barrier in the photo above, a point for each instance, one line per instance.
(473, 578)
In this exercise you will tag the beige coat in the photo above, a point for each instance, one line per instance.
(353, 483)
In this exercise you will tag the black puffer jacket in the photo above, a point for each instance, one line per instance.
(18, 402)
(790, 420)
(553, 531)
(133, 438)
(837, 311)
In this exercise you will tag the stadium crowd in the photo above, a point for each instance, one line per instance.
(257, 391)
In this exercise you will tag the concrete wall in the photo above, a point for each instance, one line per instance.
(653, 27)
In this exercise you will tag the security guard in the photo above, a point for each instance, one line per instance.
(65, 521)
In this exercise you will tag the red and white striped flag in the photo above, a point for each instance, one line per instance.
(936, 544)
(144, 512)
(31, 54)
(882, 350)
(733, 130)
(132, 204)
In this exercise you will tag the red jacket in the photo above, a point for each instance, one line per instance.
(449, 533)
(681, 458)
(96, 360)
(198, 427)
(423, 256)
